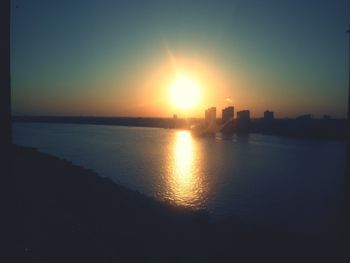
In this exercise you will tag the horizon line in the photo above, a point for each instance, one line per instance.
(150, 117)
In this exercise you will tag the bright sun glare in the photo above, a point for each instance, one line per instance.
(184, 92)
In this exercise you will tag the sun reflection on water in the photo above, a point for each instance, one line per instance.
(185, 185)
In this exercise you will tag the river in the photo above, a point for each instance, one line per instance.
(293, 184)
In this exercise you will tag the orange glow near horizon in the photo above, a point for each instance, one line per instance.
(182, 85)
(188, 86)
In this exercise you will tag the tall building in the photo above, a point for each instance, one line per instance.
(210, 115)
(243, 121)
(227, 114)
(243, 115)
(268, 115)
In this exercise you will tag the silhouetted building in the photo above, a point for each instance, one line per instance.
(326, 117)
(227, 114)
(175, 116)
(268, 115)
(243, 115)
(304, 117)
(243, 121)
(210, 115)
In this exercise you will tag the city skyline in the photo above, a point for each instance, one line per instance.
(114, 58)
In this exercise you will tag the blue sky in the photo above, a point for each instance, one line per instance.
(93, 57)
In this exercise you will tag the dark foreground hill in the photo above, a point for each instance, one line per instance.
(70, 214)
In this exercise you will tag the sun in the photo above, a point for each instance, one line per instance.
(184, 92)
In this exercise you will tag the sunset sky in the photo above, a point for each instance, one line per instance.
(121, 58)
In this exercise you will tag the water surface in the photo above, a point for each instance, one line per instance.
(292, 184)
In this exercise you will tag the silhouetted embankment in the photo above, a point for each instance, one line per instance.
(303, 128)
(73, 215)
(168, 123)
(335, 129)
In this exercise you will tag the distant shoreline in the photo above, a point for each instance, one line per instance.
(117, 121)
(335, 129)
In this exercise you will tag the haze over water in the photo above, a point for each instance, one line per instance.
(296, 185)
